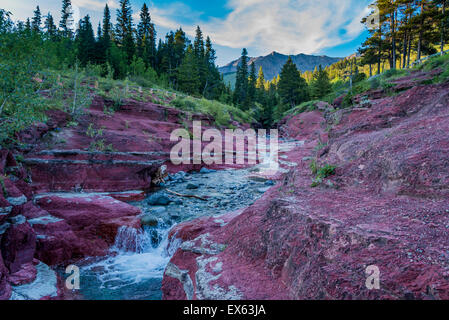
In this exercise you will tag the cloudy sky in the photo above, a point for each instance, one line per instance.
(287, 26)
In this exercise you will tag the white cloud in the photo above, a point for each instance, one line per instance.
(288, 26)
(96, 5)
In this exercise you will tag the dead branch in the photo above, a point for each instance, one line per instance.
(185, 195)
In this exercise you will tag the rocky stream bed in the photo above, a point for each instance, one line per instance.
(135, 266)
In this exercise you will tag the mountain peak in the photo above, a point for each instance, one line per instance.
(273, 62)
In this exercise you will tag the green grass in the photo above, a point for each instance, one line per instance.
(303, 107)
(222, 114)
(438, 62)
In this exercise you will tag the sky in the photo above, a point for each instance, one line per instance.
(321, 27)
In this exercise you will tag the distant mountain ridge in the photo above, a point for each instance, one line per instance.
(272, 63)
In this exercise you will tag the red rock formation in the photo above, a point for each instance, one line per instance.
(5, 287)
(387, 206)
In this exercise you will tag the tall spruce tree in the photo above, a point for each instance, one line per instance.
(50, 27)
(180, 44)
(85, 42)
(321, 85)
(293, 89)
(146, 37)
(188, 77)
(107, 29)
(260, 83)
(241, 83)
(124, 29)
(37, 20)
(66, 23)
(252, 85)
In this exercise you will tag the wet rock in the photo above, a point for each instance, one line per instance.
(5, 287)
(192, 186)
(18, 246)
(158, 200)
(45, 286)
(149, 220)
(86, 225)
(26, 274)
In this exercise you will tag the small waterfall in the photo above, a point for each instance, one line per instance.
(131, 240)
(139, 258)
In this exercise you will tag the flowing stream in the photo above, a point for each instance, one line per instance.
(135, 266)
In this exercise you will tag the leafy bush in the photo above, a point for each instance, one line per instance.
(321, 173)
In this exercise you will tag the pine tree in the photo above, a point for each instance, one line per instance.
(214, 86)
(37, 20)
(188, 77)
(50, 27)
(241, 83)
(198, 44)
(260, 83)
(107, 28)
(180, 45)
(66, 23)
(146, 37)
(124, 29)
(28, 27)
(321, 85)
(85, 42)
(252, 85)
(293, 89)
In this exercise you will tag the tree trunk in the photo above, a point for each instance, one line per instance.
(393, 38)
(443, 27)
(380, 49)
(421, 30)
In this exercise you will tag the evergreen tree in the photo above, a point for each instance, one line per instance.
(37, 20)
(85, 42)
(241, 83)
(146, 37)
(293, 89)
(50, 27)
(28, 27)
(321, 85)
(188, 77)
(124, 29)
(214, 83)
(107, 29)
(260, 83)
(198, 44)
(66, 23)
(252, 85)
(199, 51)
(180, 45)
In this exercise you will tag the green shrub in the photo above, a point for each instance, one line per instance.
(321, 173)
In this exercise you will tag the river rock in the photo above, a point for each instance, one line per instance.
(18, 246)
(5, 287)
(192, 186)
(149, 220)
(158, 200)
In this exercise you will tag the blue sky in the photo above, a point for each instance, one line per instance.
(327, 27)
